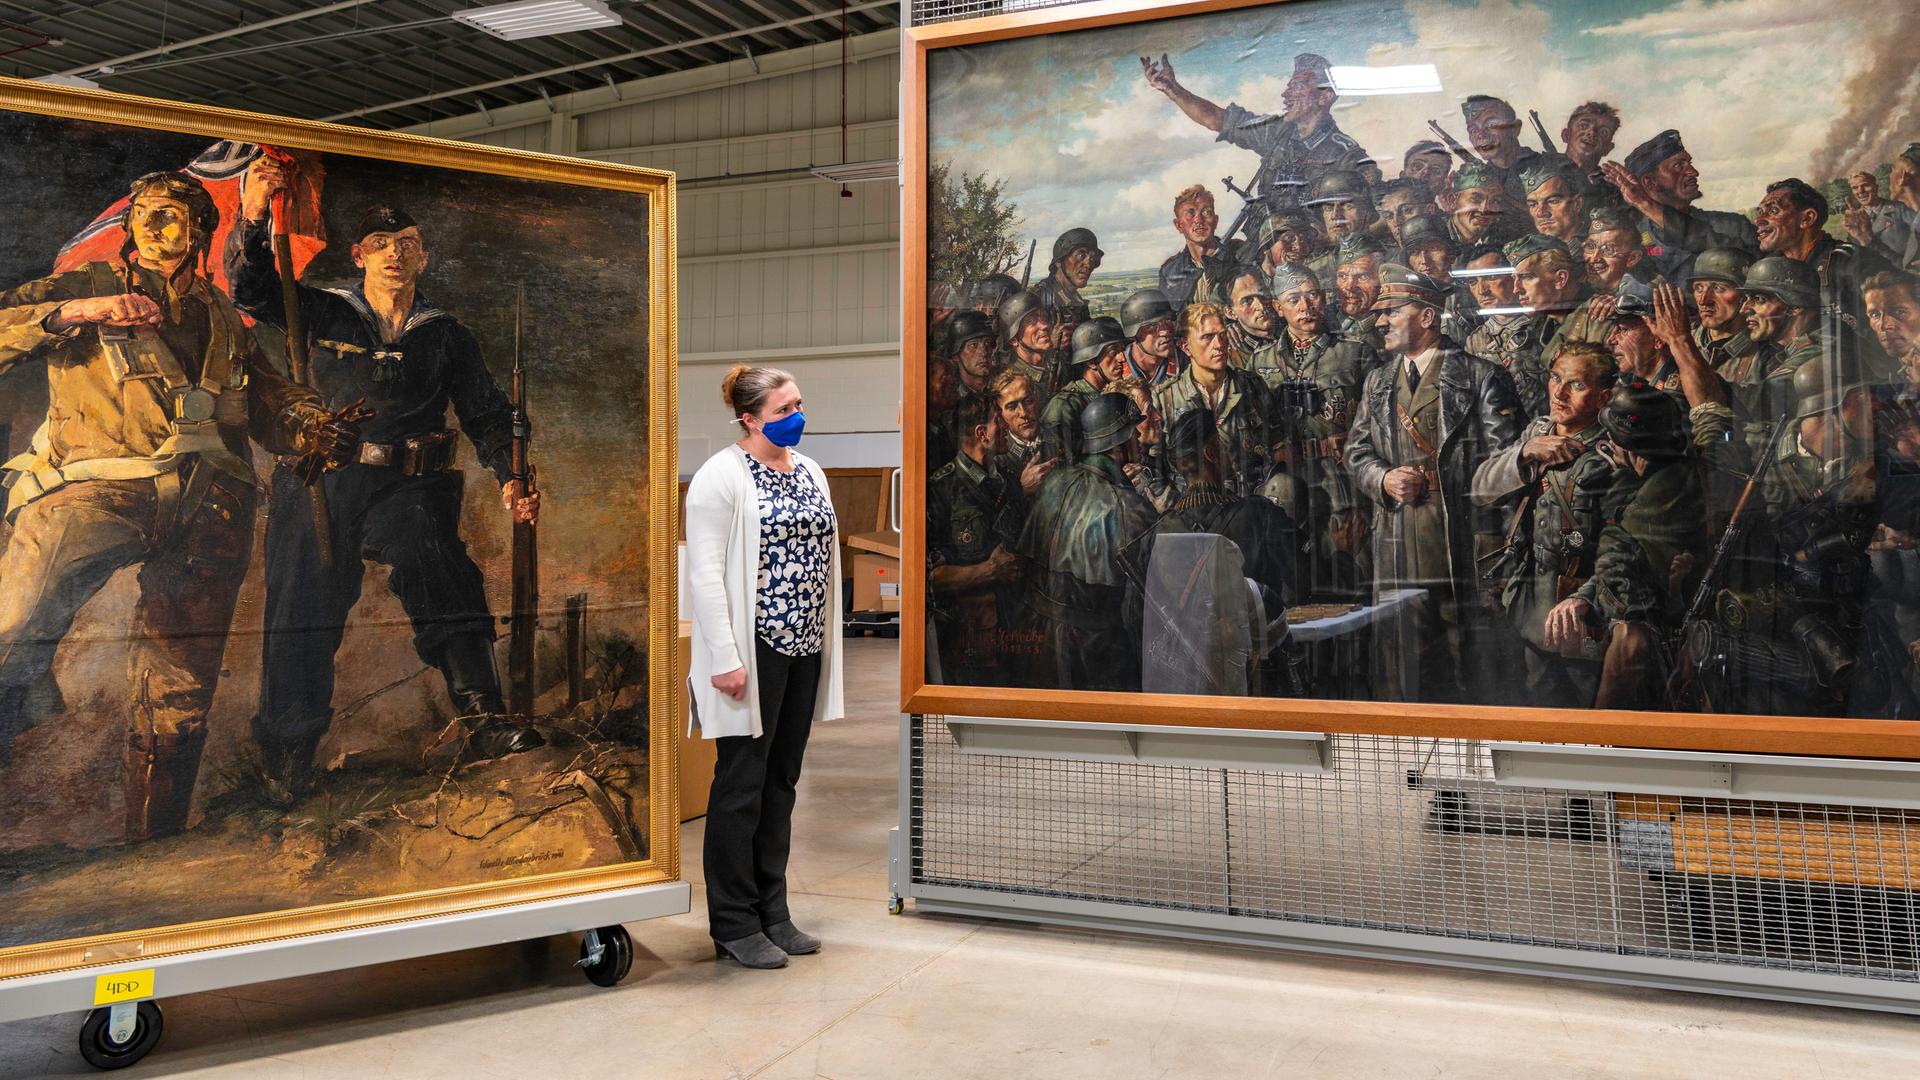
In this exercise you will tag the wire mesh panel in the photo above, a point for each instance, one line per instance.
(1152, 836)
(1413, 835)
(933, 11)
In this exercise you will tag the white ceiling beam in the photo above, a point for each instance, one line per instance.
(275, 46)
(207, 39)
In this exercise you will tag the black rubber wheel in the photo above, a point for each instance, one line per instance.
(616, 959)
(102, 1052)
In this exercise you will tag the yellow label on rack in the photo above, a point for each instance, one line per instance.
(123, 986)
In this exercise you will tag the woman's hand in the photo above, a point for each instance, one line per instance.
(733, 683)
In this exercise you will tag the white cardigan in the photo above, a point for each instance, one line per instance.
(723, 563)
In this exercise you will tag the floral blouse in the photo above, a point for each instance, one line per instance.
(796, 559)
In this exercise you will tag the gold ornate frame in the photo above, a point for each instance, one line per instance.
(1617, 727)
(663, 693)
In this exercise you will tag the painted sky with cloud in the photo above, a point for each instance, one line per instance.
(1760, 89)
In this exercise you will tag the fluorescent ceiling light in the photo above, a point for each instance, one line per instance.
(1400, 79)
(855, 171)
(538, 18)
(67, 80)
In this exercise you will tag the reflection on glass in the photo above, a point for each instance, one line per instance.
(1445, 398)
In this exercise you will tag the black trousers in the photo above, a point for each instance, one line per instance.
(411, 524)
(750, 811)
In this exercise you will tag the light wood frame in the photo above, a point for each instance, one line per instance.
(1661, 730)
(663, 694)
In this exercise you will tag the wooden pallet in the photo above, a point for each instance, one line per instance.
(1786, 842)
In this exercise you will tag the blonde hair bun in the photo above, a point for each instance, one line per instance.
(728, 380)
(745, 388)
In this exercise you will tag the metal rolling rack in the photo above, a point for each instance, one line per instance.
(118, 1035)
(1766, 876)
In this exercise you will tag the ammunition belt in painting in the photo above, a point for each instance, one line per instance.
(416, 456)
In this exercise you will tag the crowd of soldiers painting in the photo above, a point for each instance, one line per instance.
(1517, 426)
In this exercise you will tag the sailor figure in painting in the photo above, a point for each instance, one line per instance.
(383, 346)
(155, 386)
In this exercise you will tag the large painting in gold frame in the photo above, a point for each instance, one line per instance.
(1076, 51)
(441, 765)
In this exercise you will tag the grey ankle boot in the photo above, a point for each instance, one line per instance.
(752, 951)
(791, 939)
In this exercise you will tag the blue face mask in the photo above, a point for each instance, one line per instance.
(787, 430)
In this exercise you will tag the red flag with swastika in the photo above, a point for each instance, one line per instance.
(223, 169)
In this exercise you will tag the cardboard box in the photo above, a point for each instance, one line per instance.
(876, 580)
(697, 755)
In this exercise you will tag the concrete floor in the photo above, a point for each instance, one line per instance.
(924, 996)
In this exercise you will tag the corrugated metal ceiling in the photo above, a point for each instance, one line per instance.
(391, 63)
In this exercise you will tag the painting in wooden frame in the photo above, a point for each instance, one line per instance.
(338, 556)
(1546, 373)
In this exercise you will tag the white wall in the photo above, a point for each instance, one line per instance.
(775, 267)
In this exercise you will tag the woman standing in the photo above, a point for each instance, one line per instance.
(763, 571)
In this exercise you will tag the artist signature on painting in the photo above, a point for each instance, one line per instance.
(528, 859)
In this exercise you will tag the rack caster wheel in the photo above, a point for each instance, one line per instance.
(107, 1044)
(606, 955)
(895, 905)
